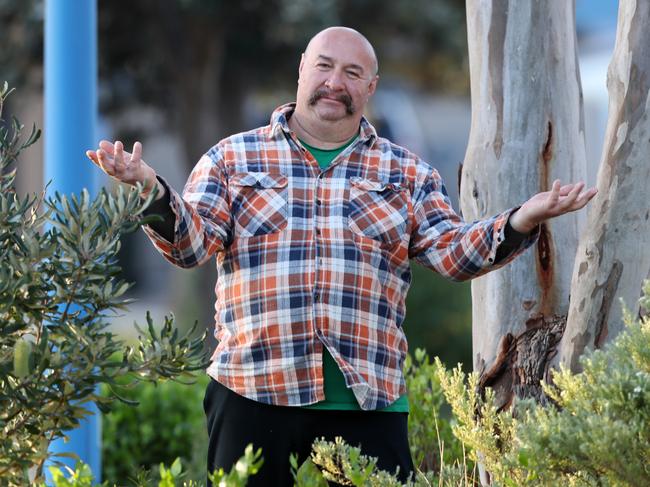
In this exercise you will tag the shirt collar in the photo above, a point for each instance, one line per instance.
(367, 132)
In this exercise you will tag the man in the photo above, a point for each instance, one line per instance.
(313, 220)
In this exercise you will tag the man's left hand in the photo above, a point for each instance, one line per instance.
(549, 204)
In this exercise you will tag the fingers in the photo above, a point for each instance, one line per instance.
(554, 195)
(584, 198)
(566, 189)
(92, 155)
(576, 199)
(137, 152)
(105, 163)
(118, 157)
(567, 202)
(106, 146)
(113, 159)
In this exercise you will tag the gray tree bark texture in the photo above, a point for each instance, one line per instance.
(527, 130)
(613, 256)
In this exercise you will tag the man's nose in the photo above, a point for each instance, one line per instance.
(335, 81)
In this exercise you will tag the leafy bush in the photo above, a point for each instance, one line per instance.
(433, 444)
(59, 282)
(167, 423)
(249, 464)
(598, 432)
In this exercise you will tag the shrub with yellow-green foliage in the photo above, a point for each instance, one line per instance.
(478, 425)
(598, 433)
(433, 445)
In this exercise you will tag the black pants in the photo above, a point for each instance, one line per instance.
(234, 421)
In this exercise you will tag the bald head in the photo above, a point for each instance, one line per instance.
(336, 78)
(350, 37)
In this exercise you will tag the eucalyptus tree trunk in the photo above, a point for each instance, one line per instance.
(527, 130)
(613, 256)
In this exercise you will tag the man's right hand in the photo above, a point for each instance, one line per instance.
(126, 167)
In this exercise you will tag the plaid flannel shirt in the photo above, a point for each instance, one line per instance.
(310, 258)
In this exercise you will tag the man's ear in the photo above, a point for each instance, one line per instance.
(302, 62)
(373, 86)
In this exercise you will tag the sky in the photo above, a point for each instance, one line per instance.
(596, 15)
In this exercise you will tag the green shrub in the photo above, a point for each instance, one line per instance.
(248, 465)
(167, 423)
(598, 434)
(433, 444)
(59, 284)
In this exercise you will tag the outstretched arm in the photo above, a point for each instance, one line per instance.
(197, 224)
(460, 250)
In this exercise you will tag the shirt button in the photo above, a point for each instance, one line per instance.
(318, 202)
(318, 231)
(316, 297)
(320, 261)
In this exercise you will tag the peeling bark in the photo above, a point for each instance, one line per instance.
(522, 362)
(612, 259)
(644, 313)
(527, 130)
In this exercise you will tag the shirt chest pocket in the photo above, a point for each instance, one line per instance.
(258, 203)
(378, 210)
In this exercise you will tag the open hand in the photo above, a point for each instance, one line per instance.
(549, 204)
(123, 166)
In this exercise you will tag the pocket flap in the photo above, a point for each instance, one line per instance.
(259, 179)
(371, 185)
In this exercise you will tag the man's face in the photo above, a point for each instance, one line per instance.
(337, 77)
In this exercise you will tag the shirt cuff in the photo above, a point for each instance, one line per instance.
(162, 207)
(510, 242)
(512, 236)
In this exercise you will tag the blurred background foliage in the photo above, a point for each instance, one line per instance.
(168, 423)
(199, 60)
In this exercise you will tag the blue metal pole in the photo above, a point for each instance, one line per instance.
(70, 126)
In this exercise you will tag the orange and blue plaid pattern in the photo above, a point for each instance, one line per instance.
(310, 258)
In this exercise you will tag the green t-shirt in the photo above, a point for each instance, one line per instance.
(337, 394)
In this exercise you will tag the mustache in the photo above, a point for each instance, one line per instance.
(342, 97)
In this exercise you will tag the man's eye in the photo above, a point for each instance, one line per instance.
(353, 74)
(323, 65)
